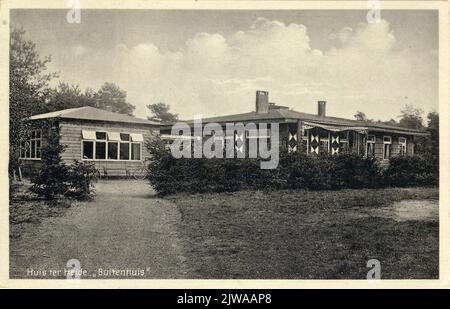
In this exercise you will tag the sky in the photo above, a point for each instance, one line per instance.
(212, 62)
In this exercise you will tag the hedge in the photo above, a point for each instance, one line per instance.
(168, 175)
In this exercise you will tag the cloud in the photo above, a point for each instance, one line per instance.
(79, 50)
(213, 74)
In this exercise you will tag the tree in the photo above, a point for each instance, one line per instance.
(28, 88)
(360, 116)
(110, 96)
(390, 122)
(57, 178)
(69, 96)
(50, 182)
(433, 129)
(160, 112)
(411, 117)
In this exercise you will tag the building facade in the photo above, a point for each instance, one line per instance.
(114, 142)
(320, 134)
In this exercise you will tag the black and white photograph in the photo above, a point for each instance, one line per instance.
(226, 143)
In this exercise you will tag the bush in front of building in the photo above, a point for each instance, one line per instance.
(50, 182)
(57, 179)
(329, 172)
(350, 170)
(80, 178)
(418, 170)
(168, 175)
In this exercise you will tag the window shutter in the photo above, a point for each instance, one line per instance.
(114, 136)
(137, 137)
(88, 134)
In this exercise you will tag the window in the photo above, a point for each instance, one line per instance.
(31, 148)
(370, 146)
(100, 135)
(124, 146)
(343, 141)
(88, 150)
(124, 151)
(402, 143)
(100, 150)
(113, 148)
(135, 151)
(387, 141)
(111, 145)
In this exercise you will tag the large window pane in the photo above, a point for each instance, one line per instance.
(100, 150)
(112, 150)
(387, 151)
(38, 149)
(27, 150)
(33, 149)
(88, 150)
(135, 151)
(124, 151)
(370, 149)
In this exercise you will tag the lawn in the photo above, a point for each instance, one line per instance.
(307, 234)
(26, 209)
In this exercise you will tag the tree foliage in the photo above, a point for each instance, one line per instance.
(30, 92)
(69, 96)
(360, 116)
(49, 182)
(28, 88)
(161, 112)
(110, 96)
(411, 117)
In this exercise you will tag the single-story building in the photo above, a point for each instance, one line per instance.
(114, 142)
(322, 134)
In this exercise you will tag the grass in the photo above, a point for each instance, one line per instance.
(27, 209)
(306, 235)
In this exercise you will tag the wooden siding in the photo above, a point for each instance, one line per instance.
(70, 132)
(395, 146)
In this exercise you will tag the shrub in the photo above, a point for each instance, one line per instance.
(295, 171)
(412, 171)
(56, 178)
(50, 182)
(80, 178)
(353, 171)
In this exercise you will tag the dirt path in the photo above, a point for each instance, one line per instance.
(125, 233)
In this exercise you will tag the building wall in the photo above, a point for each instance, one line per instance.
(395, 146)
(71, 136)
(70, 132)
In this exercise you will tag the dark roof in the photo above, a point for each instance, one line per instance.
(92, 113)
(285, 115)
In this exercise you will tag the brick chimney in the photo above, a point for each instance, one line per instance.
(262, 102)
(321, 108)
